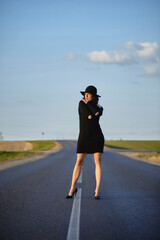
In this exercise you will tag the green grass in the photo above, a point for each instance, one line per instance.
(42, 145)
(7, 156)
(133, 145)
(37, 146)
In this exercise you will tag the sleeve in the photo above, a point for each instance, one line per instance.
(94, 108)
(84, 109)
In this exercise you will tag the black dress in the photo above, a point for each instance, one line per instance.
(91, 138)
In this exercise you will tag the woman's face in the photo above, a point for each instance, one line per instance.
(88, 96)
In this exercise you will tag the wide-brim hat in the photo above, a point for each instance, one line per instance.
(90, 89)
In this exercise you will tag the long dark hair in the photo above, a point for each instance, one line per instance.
(95, 99)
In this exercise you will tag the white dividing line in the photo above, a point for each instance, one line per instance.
(74, 224)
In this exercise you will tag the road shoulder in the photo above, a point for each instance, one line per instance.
(130, 155)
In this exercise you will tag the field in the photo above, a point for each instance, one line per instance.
(133, 145)
(8, 156)
(37, 148)
(42, 145)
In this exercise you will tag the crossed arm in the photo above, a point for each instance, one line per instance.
(91, 108)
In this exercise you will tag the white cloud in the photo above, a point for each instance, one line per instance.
(152, 69)
(72, 56)
(109, 57)
(149, 50)
(145, 53)
(144, 50)
(132, 45)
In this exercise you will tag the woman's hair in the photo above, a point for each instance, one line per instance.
(95, 99)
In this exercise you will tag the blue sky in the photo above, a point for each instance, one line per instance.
(52, 50)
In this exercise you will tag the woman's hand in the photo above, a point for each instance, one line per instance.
(84, 100)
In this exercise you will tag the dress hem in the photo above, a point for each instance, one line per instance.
(90, 152)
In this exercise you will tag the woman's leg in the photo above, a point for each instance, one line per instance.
(77, 170)
(97, 159)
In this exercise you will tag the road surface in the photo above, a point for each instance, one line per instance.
(33, 204)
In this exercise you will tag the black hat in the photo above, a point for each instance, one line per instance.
(90, 89)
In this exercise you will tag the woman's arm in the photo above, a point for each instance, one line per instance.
(97, 110)
(84, 109)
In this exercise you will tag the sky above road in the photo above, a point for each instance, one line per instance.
(53, 49)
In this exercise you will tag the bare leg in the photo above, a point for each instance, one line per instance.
(77, 171)
(97, 159)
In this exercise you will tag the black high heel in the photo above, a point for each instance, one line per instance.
(96, 197)
(74, 192)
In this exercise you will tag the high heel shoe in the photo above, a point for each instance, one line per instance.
(74, 192)
(96, 197)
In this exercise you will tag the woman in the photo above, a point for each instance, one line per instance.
(91, 139)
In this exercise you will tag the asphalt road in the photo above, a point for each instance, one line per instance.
(33, 204)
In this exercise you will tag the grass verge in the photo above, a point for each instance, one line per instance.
(38, 148)
(9, 156)
(42, 145)
(133, 145)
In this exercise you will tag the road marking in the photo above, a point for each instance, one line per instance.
(74, 224)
